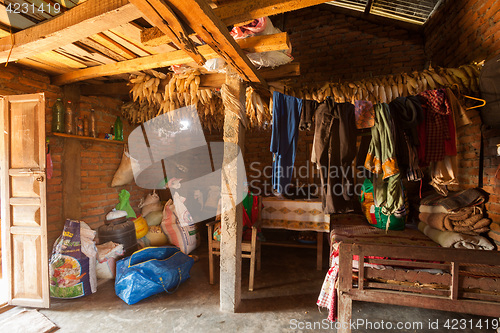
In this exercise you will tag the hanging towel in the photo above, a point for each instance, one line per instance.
(286, 117)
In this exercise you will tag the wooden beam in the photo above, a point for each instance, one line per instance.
(106, 89)
(254, 44)
(86, 19)
(269, 74)
(237, 12)
(201, 18)
(160, 14)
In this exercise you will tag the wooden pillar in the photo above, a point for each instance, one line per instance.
(232, 216)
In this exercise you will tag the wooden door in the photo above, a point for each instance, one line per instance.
(24, 223)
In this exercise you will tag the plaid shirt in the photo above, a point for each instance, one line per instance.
(437, 109)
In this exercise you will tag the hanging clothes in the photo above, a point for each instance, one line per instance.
(307, 114)
(333, 153)
(286, 117)
(365, 115)
(434, 130)
(406, 114)
(443, 173)
(381, 160)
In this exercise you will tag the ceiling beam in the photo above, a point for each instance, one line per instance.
(252, 44)
(160, 14)
(202, 19)
(86, 19)
(237, 12)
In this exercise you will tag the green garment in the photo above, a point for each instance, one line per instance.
(381, 160)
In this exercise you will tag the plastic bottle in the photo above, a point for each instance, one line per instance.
(118, 129)
(68, 121)
(58, 116)
(93, 124)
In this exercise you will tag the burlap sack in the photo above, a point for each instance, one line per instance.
(124, 175)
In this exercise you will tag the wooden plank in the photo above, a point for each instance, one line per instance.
(162, 16)
(201, 18)
(132, 33)
(232, 212)
(162, 60)
(369, 6)
(94, 47)
(480, 308)
(41, 65)
(123, 40)
(106, 89)
(269, 74)
(84, 20)
(237, 12)
(113, 46)
(454, 280)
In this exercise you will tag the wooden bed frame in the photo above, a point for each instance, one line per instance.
(471, 283)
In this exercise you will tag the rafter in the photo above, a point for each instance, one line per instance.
(252, 44)
(201, 18)
(236, 12)
(160, 14)
(86, 19)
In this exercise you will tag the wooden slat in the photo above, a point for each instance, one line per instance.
(125, 42)
(454, 280)
(92, 46)
(162, 16)
(201, 18)
(162, 60)
(132, 33)
(110, 44)
(41, 65)
(84, 20)
(237, 12)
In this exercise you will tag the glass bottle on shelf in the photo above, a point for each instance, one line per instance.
(118, 129)
(93, 124)
(58, 116)
(68, 119)
(79, 126)
(86, 126)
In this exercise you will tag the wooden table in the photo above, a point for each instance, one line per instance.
(298, 215)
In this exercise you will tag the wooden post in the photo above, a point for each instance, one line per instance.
(232, 216)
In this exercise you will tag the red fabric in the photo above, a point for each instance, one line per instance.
(248, 221)
(437, 111)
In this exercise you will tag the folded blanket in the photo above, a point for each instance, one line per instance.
(432, 209)
(455, 200)
(455, 240)
(467, 220)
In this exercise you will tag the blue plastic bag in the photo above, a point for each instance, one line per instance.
(151, 271)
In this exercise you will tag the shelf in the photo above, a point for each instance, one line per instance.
(85, 138)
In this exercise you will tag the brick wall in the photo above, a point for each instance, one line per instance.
(462, 32)
(330, 46)
(98, 162)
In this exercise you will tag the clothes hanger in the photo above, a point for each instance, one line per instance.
(470, 97)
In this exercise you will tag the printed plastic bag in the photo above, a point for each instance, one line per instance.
(73, 262)
(151, 271)
(124, 203)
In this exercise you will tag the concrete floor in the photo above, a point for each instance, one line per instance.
(284, 300)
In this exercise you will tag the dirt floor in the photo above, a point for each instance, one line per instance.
(284, 300)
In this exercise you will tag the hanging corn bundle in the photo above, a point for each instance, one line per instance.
(160, 93)
(384, 89)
